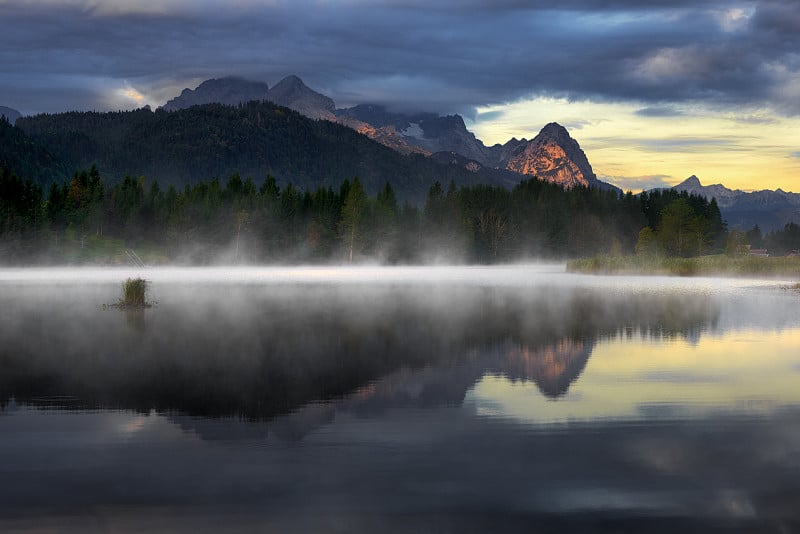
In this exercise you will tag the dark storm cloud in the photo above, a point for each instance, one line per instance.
(779, 16)
(444, 56)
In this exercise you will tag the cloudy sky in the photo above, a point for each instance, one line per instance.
(653, 90)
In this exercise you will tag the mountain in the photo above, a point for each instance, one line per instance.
(427, 132)
(553, 368)
(229, 91)
(725, 197)
(292, 93)
(385, 135)
(553, 155)
(11, 114)
(770, 210)
(253, 140)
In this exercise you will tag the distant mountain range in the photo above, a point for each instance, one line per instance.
(213, 140)
(290, 92)
(770, 210)
(230, 125)
(63, 140)
(552, 155)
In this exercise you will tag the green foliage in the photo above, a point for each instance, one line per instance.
(221, 220)
(705, 265)
(680, 231)
(736, 244)
(755, 238)
(781, 242)
(352, 212)
(684, 225)
(133, 293)
(28, 158)
(647, 243)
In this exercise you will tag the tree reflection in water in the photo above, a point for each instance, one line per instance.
(257, 353)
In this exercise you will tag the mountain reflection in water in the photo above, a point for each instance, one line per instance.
(556, 404)
(260, 353)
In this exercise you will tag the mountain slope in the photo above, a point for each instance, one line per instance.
(229, 91)
(768, 209)
(28, 159)
(11, 114)
(254, 140)
(292, 93)
(426, 132)
(553, 155)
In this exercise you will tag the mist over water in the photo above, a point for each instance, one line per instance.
(401, 399)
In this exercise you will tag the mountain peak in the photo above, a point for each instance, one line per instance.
(554, 156)
(554, 130)
(293, 93)
(692, 181)
(289, 83)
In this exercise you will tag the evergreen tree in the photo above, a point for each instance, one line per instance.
(352, 212)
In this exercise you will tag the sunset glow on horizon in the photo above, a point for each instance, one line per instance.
(638, 147)
(653, 92)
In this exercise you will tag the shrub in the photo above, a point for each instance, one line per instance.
(133, 293)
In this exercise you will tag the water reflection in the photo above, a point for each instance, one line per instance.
(258, 352)
(553, 367)
(134, 318)
(549, 407)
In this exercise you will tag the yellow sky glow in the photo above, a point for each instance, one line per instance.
(750, 150)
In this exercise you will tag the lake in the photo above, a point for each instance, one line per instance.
(440, 399)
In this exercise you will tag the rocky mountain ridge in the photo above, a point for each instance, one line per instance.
(228, 91)
(290, 92)
(768, 209)
(553, 155)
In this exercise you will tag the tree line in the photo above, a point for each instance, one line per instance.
(239, 220)
(777, 242)
(253, 139)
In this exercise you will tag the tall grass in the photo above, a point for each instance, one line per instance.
(704, 265)
(133, 293)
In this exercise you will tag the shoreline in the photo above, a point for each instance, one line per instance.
(717, 265)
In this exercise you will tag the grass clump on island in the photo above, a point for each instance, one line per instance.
(134, 291)
(698, 266)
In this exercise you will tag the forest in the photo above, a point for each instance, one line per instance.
(235, 220)
(252, 140)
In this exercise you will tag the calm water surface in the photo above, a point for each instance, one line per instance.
(502, 399)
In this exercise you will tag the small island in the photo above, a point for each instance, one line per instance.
(134, 292)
